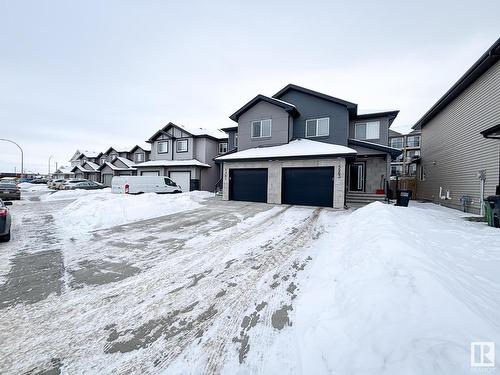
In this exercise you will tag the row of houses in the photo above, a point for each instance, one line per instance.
(184, 154)
(301, 146)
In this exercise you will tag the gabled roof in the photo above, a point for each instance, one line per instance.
(195, 132)
(92, 165)
(290, 108)
(88, 154)
(129, 163)
(63, 170)
(298, 148)
(146, 147)
(486, 61)
(394, 152)
(368, 115)
(352, 107)
(230, 129)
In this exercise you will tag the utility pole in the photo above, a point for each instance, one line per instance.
(22, 155)
(50, 157)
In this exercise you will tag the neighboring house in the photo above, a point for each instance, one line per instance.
(63, 173)
(454, 152)
(304, 147)
(186, 155)
(140, 153)
(88, 170)
(85, 156)
(119, 166)
(406, 163)
(74, 159)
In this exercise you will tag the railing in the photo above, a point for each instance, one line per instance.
(218, 187)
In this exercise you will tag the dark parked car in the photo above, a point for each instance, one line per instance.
(39, 181)
(4, 221)
(9, 192)
(86, 185)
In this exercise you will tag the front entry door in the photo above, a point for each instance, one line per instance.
(357, 177)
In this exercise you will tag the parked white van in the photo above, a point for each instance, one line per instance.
(143, 184)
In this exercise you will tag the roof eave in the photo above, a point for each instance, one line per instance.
(488, 59)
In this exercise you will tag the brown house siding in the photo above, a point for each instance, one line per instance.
(453, 150)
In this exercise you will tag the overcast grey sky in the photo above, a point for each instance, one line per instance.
(91, 74)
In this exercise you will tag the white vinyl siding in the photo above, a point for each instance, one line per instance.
(367, 130)
(261, 129)
(318, 127)
(162, 147)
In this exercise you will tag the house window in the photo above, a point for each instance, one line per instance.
(222, 148)
(412, 153)
(139, 158)
(261, 129)
(367, 130)
(396, 170)
(412, 169)
(413, 141)
(397, 142)
(102, 160)
(318, 127)
(163, 147)
(236, 140)
(421, 174)
(182, 145)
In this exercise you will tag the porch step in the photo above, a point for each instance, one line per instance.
(364, 198)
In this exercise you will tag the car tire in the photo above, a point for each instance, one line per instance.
(5, 238)
(177, 192)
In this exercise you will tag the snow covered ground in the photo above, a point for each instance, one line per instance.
(238, 288)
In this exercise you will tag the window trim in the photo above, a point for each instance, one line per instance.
(236, 140)
(366, 126)
(317, 127)
(178, 142)
(137, 157)
(158, 147)
(219, 145)
(253, 136)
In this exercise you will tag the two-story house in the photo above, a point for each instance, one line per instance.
(186, 155)
(114, 162)
(304, 147)
(85, 165)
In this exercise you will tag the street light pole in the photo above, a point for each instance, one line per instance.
(50, 157)
(22, 155)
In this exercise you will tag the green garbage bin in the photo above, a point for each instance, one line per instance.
(492, 205)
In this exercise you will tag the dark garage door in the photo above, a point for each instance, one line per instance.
(308, 186)
(248, 185)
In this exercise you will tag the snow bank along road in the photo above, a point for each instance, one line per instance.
(234, 287)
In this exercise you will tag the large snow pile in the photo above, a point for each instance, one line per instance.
(26, 186)
(60, 195)
(105, 210)
(394, 290)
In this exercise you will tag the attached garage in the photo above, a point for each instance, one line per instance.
(248, 185)
(307, 186)
(182, 178)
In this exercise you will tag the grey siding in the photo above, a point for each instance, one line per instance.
(230, 140)
(172, 147)
(452, 149)
(384, 130)
(313, 107)
(262, 111)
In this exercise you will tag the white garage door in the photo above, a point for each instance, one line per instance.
(181, 178)
(107, 179)
(150, 173)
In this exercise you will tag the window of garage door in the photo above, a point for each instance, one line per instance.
(307, 186)
(248, 185)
